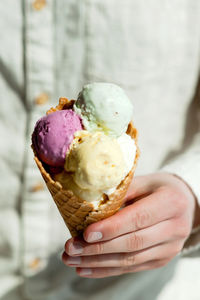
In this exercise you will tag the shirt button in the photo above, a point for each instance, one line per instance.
(42, 99)
(34, 264)
(37, 187)
(39, 4)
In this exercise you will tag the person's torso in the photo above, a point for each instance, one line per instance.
(49, 49)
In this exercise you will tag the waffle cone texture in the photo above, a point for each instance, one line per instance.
(76, 212)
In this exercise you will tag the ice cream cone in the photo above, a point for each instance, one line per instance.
(76, 212)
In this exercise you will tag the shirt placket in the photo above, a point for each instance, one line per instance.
(49, 24)
(40, 86)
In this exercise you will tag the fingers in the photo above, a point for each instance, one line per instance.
(107, 272)
(123, 260)
(144, 213)
(134, 241)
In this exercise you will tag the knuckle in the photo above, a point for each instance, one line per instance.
(99, 248)
(141, 219)
(128, 260)
(115, 228)
(185, 232)
(183, 229)
(130, 243)
(178, 201)
(134, 242)
(128, 269)
(175, 251)
(164, 263)
(178, 248)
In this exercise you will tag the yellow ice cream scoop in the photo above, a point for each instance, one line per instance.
(95, 161)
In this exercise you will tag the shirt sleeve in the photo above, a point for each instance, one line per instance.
(187, 167)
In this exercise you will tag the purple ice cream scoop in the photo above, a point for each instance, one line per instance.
(53, 135)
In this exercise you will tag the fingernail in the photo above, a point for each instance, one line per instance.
(75, 248)
(85, 272)
(73, 260)
(94, 236)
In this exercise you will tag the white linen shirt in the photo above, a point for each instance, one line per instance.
(49, 49)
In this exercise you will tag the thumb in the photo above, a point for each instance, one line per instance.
(140, 186)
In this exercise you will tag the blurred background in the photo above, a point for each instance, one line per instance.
(49, 49)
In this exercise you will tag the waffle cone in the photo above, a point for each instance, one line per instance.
(76, 212)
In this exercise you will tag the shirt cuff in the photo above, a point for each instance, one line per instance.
(189, 171)
(192, 244)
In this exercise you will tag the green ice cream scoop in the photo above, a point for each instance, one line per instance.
(104, 107)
